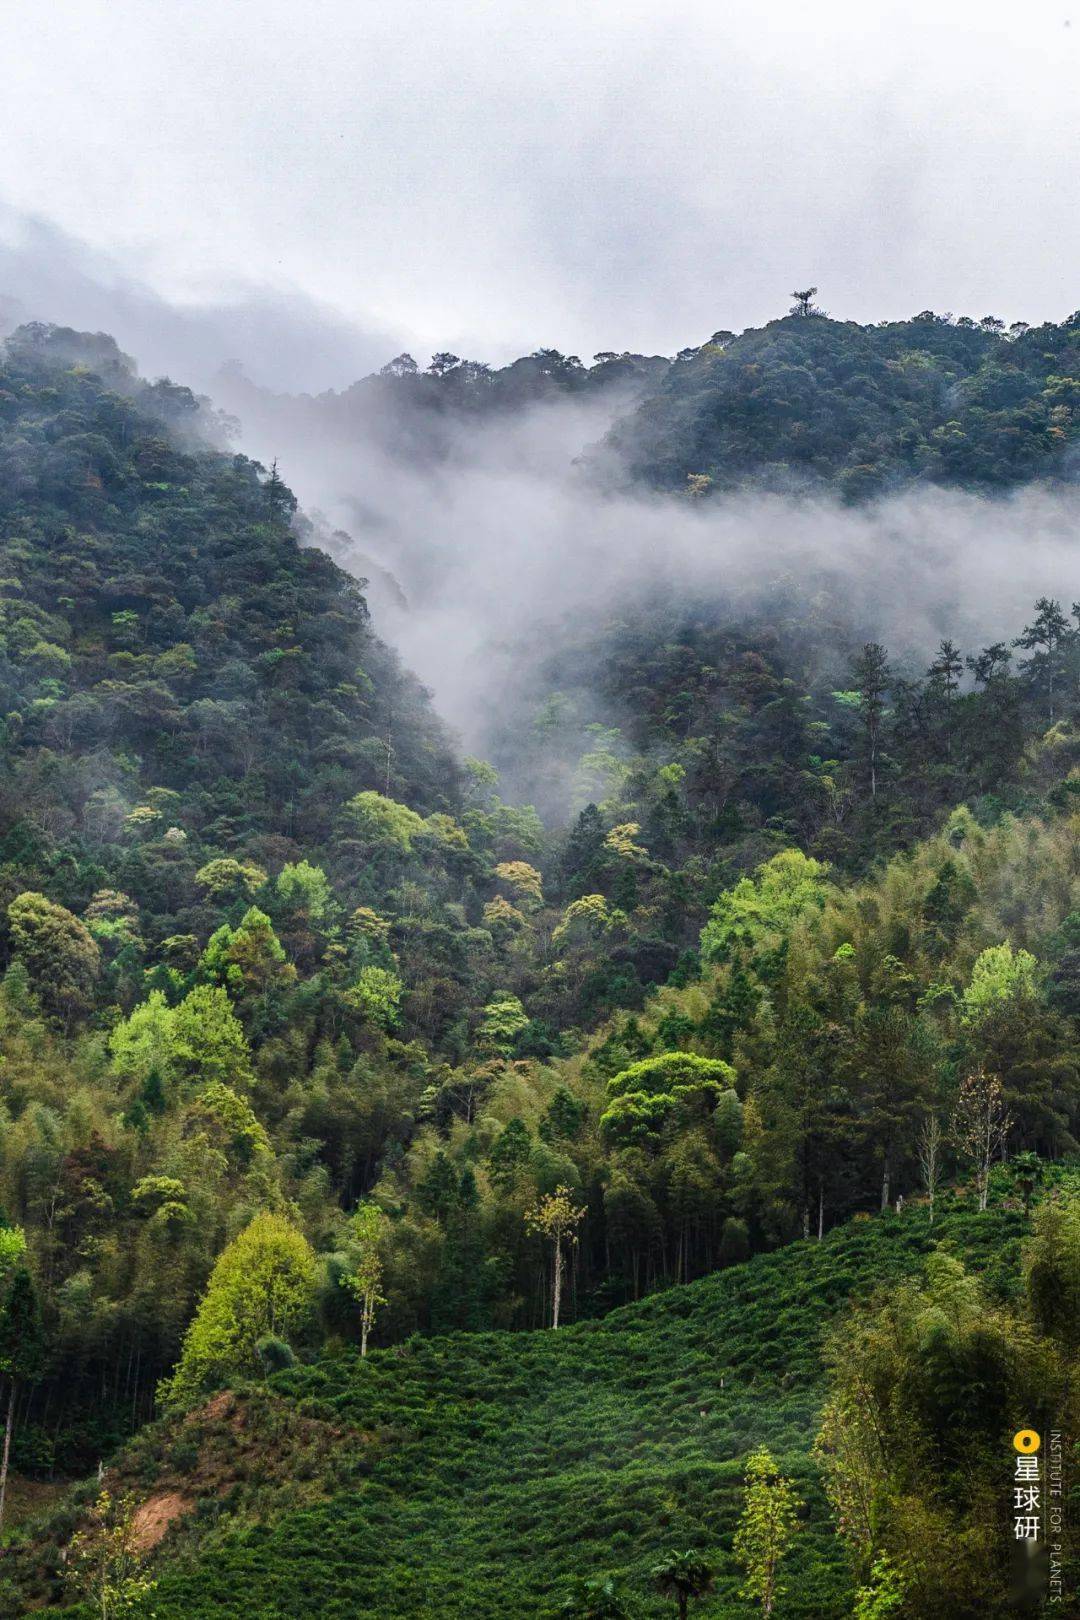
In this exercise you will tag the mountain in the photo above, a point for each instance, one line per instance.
(807, 402)
(314, 1043)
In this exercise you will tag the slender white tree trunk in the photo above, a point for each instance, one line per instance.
(557, 1295)
(7, 1447)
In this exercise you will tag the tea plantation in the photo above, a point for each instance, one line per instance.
(477, 1475)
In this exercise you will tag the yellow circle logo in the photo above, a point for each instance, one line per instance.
(1026, 1440)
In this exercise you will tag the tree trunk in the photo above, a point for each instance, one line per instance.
(7, 1448)
(682, 1605)
(820, 1214)
(557, 1292)
(885, 1187)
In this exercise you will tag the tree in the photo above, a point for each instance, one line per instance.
(804, 302)
(304, 902)
(759, 910)
(380, 823)
(769, 1522)
(247, 960)
(365, 1280)
(377, 993)
(279, 497)
(208, 1040)
(524, 880)
(926, 1383)
(944, 675)
(928, 1147)
(1052, 1269)
(871, 673)
(21, 1335)
(1045, 638)
(980, 1125)
(303, 888)
(999, 975)
(60, 954)
(509, 1154)
(402, 365)
(683, 1576)
(673, 1086)
(502, 1022)
(105, 1563)
(556, 1218)
(262, 1284)
(883, 1593)
(227, 879)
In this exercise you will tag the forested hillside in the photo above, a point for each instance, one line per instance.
(485, 1474)
(313, 1045)
(806, 401)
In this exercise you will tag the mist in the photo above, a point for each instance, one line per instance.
(489, 547)
(281, 336)
(490, 177)
(483, 561)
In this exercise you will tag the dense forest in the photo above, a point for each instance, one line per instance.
(331, 1081)
(807, 400)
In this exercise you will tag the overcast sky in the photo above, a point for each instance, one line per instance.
(361, 175)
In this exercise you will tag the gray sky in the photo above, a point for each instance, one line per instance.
(493, 176)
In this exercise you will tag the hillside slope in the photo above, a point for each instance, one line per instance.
(806, 402)
(476, 1474)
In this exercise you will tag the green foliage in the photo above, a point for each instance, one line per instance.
(106, 1564)
(760, 909)
(303, 888)
(1052, 1269)
(501, 1023)
(1000, 974)
(767, 1528)
(263, 1283)
(883, 1594)
(208, 1041)
(377, 993)
(364, 1278)
(929, 1382)
(597, 1599)
(646, 1096)
(809, 402)
(59, 953)
(381, 823)
(684, 1576)
(225, 995)
(509, 1461)
(228, 879)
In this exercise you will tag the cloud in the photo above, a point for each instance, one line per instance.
(283, 338)
(490, 177)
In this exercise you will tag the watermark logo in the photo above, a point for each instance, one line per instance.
(1027, 1486)
(1037, 1515)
